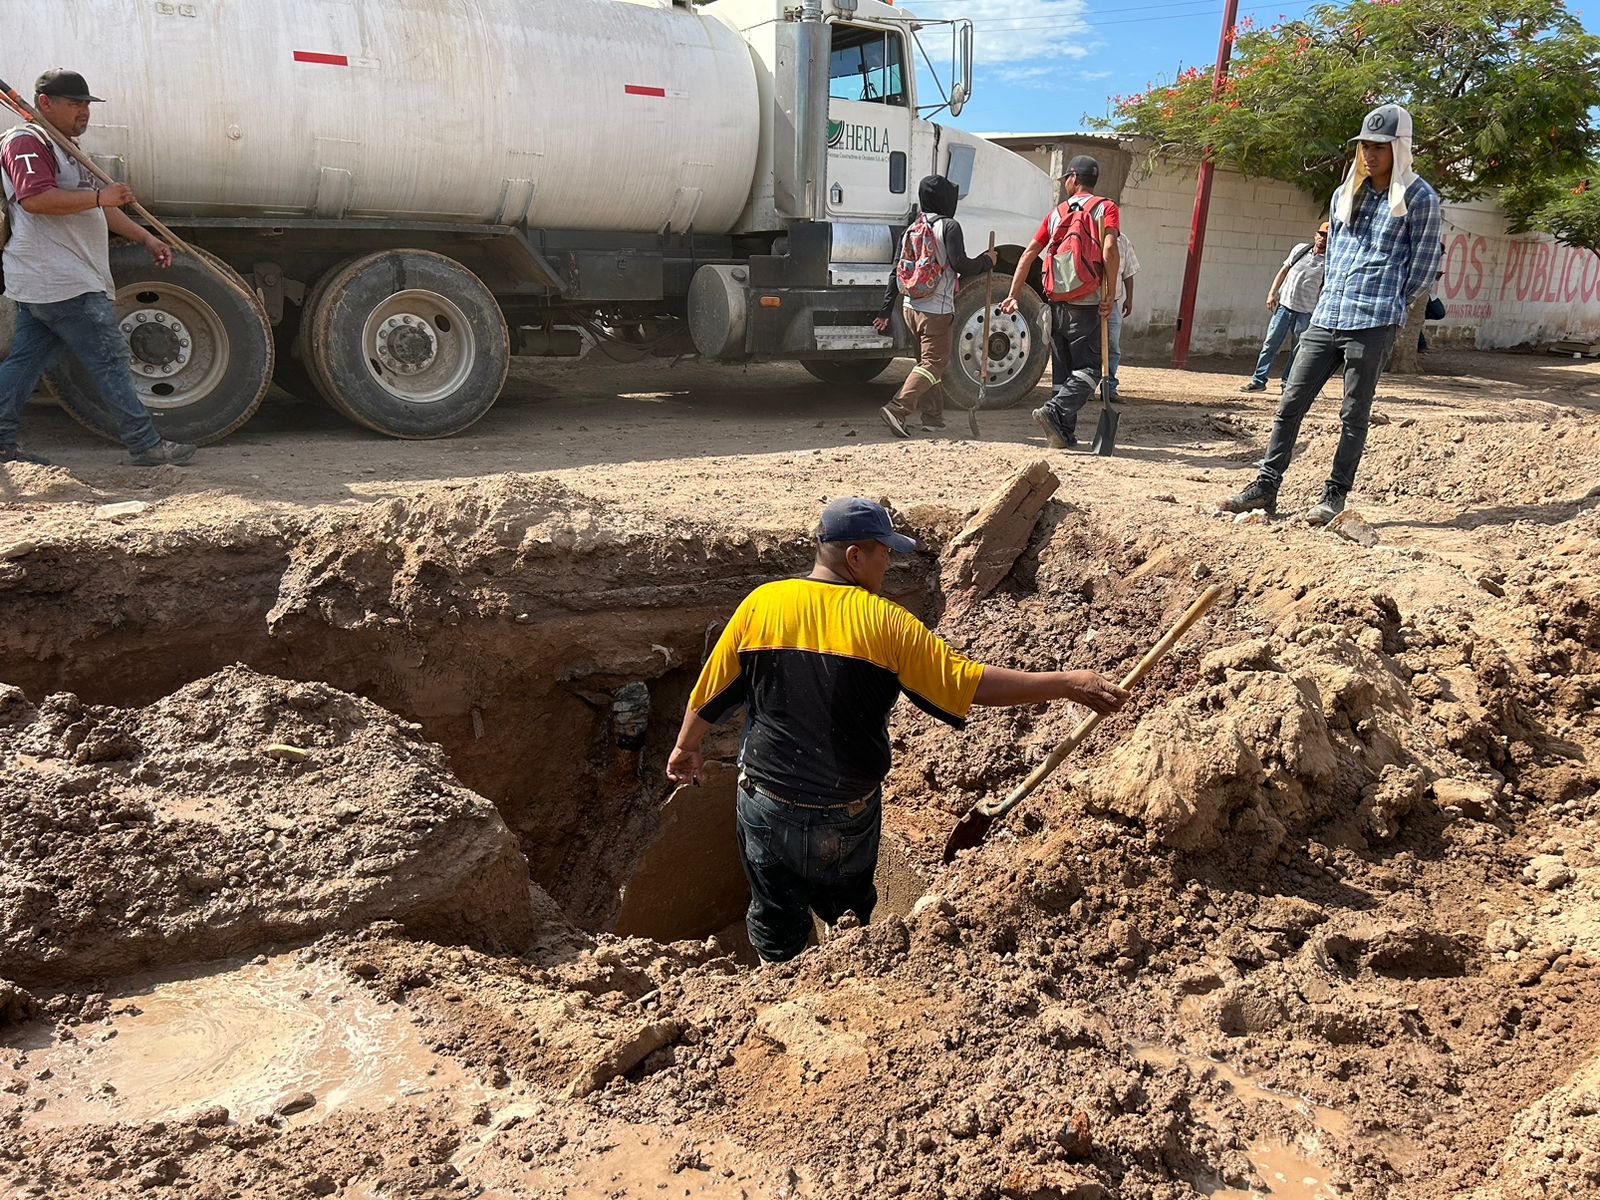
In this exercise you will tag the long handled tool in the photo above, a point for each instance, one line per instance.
(975, 826)
(1105, 433)
(983, 350)
(27, 112)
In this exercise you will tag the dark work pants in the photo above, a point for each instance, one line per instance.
(1074, 363)
(1362, 353)
(804, 860)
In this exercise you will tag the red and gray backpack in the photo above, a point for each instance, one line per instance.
(919, 268)
(1074, 263)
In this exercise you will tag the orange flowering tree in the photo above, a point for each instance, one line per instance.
(1567, 209)
(1501, 92)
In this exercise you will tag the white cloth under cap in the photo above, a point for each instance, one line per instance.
(1400, 178)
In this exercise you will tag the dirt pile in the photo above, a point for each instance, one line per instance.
(239, 812)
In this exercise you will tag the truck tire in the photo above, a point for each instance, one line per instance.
(847, 371)
(1019, 350)
(407, 342)
(202, 352)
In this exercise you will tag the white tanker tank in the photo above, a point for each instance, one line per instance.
(414, 190)
(563, 114)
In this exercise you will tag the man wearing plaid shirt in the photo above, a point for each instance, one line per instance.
(1383, 252)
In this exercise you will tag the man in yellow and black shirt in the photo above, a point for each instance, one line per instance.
(818, 663)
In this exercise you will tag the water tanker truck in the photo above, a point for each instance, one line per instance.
(413, 191)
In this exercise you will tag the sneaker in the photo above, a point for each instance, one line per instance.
(895, 424)
(1326, 509)
(927, 424)
(164, 453)
(1253, 386)
(1257, 495)
(10, 453)
(1056, 441)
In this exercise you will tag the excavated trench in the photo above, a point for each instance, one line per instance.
(550, 662)
(1227, 917)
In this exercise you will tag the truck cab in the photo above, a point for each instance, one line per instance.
(878, 139)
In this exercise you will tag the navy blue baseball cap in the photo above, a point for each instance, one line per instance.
(855, 519)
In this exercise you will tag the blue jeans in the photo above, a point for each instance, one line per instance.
(804, 860)
(1114, 352)
(87, 326)
(1362, 353)
(1285, 323)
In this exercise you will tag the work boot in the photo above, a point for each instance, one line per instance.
(929, 423)
(1257, 495)
(1056, 440)
(164, 453)
(895, 424)
(1326, 509)
(1253, 386)
(10, 453)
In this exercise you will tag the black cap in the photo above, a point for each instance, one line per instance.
(63, 84)
(857, 520)
(1084, 167)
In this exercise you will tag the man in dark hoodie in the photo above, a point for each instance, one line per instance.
(931, 318)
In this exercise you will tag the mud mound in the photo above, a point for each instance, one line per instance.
(240, 811)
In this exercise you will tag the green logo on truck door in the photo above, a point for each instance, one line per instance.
(859, 141)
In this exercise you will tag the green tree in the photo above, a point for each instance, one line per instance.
(1568, 209)
(1501, 93)
(1500, 90)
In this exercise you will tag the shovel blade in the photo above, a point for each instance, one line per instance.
(1105, 432)
(969, 832)
(972, 413)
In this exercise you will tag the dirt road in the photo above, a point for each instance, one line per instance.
(283, 733)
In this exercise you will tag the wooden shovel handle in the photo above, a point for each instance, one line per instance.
(26, 111)
(1092, 722)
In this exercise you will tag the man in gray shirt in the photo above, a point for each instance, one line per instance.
(58, 271)
(1291, 300)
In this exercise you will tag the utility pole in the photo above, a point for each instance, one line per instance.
(1202, 200)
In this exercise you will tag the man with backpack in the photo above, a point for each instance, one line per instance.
(1078, 239)
(933, 253)
(57, 270)
(1291, 299)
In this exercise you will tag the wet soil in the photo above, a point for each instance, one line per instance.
(336, 859)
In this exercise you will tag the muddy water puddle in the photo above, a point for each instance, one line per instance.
(248, 1036)
(1289, 1172)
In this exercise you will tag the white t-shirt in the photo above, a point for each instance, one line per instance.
(50, 259)
(1130, 266)
(1303, 284)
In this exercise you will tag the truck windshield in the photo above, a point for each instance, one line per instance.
(867, 64)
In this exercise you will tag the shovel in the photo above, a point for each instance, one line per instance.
(983, 351)
(1105, 433)
(975, 826)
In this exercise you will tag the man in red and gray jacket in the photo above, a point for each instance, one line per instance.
(58, 271)
(1074, 325)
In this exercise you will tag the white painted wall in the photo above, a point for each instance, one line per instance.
(1499, 291)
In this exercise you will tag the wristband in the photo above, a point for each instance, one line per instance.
(97, 203)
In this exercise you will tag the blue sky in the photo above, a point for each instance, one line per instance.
(1043, 64)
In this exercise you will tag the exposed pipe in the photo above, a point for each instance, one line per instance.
(811, 114)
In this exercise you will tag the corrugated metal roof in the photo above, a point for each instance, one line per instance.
(1098, 137)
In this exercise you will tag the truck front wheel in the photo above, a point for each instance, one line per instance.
(846, 371)
(200, 351)
(407, 342)
(1019, 349)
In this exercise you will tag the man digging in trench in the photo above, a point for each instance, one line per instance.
(818, 663)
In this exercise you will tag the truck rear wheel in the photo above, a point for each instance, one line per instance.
(406, 342)
(847, 371)
(202, 352)
(1019, 349)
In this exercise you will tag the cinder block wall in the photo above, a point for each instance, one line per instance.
(1499, 291)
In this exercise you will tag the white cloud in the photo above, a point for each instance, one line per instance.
(1022, 31)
